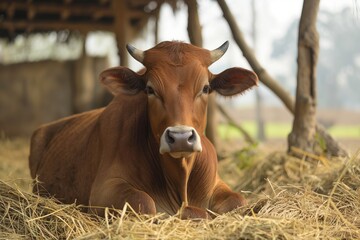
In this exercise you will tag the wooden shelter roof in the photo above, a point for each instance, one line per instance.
(125, 18)
(33, 16)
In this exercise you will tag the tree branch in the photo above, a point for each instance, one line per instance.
(248, 53)
(233, 123)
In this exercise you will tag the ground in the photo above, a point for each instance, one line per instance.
(343, 125)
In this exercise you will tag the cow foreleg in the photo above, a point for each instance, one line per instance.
(224, 199)
(115, 193)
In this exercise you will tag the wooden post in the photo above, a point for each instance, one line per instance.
(156, 28)
(194, 27)
(122, 28)
(304, 126)
(84, 82)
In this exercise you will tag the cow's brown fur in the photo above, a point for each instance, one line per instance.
(110, 156)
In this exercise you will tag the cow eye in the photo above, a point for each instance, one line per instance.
(149, 90)
(206, 89)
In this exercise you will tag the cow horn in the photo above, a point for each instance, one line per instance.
(135, 53)
(219, 52)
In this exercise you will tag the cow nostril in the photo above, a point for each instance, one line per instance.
(192, 138)
(169, 138)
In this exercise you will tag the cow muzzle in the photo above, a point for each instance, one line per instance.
(180, 141)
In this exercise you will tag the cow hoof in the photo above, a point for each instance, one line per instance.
(193, 213)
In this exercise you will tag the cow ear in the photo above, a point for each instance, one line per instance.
(122, 80)
(233, 81)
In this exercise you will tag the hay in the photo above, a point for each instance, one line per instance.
(294, 199)
(30, 216)
(284, 169)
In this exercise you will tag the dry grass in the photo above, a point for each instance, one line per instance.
(290, 198)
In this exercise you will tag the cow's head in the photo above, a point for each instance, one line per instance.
(177, 83)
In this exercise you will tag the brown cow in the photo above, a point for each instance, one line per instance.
(147, 147)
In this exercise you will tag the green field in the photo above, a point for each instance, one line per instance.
(281, 130)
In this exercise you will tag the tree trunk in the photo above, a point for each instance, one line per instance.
(260, 123)
(304, 126)
(195, 36)
(333, 147)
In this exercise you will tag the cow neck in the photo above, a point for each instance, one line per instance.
(176, 173)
